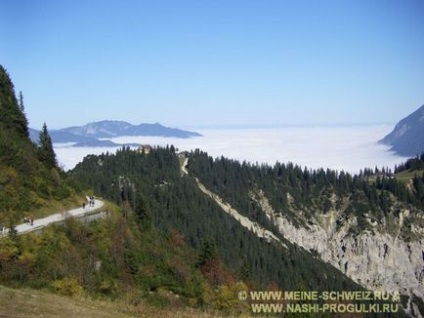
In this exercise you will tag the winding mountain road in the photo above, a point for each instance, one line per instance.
(58, 217)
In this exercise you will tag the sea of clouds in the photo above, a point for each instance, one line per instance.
(345, 148)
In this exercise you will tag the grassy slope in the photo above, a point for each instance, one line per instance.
(36, 303)
(407, 175)
(58, 206)
(16, 303)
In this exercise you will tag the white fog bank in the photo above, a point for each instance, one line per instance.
(341, 148)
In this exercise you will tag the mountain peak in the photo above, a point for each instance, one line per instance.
(91, 133)
(406, 139)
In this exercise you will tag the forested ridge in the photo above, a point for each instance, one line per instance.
(373, 193)
(303, 184)
(153, 184)
(162, 197)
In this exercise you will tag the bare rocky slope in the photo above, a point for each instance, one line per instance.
(374, 258)
(378, 261)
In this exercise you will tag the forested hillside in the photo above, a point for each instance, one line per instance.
(166, 199)
(289, 188)
(119, 255)
(161, 197)
(369, 226)
(29, 177)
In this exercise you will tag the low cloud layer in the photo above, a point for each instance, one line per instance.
(341, 148)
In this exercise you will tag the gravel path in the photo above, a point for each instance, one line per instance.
(58, 217)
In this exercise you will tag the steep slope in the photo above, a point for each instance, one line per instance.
(27, 181)
(116, 257)
(31, 303)
(370, 227)
(12, 118)
(177, 202)
(407, 138)
(374, 259)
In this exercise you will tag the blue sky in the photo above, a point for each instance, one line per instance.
(215, 62)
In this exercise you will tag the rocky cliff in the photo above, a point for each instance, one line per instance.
(377, 259)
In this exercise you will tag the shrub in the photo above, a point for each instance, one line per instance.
(68, 286)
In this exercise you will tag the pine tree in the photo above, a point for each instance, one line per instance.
(21, 102)
(144, 214)
(210, 263)
(246, 271)
(208, 252)
(45, 150)
(12, 117)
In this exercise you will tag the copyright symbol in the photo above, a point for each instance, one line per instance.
(242, 295)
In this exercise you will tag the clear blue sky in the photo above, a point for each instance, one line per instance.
(215, 62)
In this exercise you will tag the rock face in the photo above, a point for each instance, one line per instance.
(377, 260)
(407, 138)
(374, 260)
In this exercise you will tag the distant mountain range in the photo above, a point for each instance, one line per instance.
(407, 138)
(90, 135)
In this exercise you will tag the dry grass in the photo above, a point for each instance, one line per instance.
(54, 206)
(18, 303)
(29, 303)
(406, 176)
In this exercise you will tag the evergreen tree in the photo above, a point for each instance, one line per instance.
(246, 271)
(210, 263)
(12, 117)
(46, 152)
(144, 214)
(21, 102)
(208, 252)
